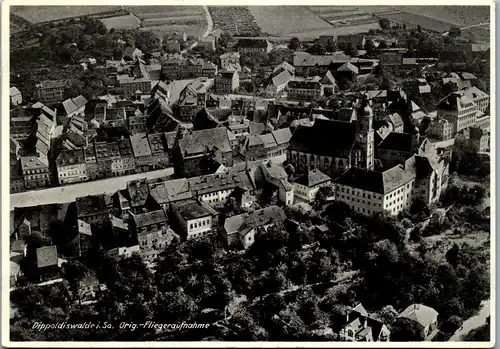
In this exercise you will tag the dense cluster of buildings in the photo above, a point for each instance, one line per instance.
(222, 144)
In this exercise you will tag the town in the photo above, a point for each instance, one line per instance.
(334, 189)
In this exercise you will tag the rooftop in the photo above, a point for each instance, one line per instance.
(46, 256)
(193, 210)
(149, 218)
(197, 142)
(312, 178)
(91, 205)
(140, 144)
(419, 313)
(69, 157)
(375, 181)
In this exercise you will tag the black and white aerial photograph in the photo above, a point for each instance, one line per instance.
(247, 173)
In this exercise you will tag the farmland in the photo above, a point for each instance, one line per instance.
(413, 20)
(279, 20)
(121, 22)
(39, 14)
(236, 20)
(164, 20)
(461, 16)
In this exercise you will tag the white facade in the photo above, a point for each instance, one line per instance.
(72, 173)
(369, 203)
(198, 227)
(217, 196)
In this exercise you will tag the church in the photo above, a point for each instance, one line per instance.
(334, 146)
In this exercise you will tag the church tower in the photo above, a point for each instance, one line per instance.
(365, 135)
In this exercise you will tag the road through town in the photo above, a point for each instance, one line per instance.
(70, 192)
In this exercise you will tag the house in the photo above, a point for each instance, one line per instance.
(254, 45)
(431, 171)
(207, 43)
(396, 148)
(172, 46)
(361, 327)
(194, 219)
(241, 229)
(125, 252)
(193, 145)
(228, 59)
(35, 171)
(127, 157)
(265, 146)
(479, 97)
(277, 82)
(92, 209)
(423, 316)
(192, 98)
(154, 244)
(285, 66)
(16, 97)
(51, 91)
(142, 152)
(458, 109)
(227, 82)
(479, 140)
(18, 251)
(306, 185)
(370, 192)
(89, 288)
(151, 228)
(73, 107)
(214, 188)
(309, 65)
(242, 198)
(276, 176)
(178, 68)
(396, 122)
(356, 40)
(441, 129)
(329, 84)
(71, 167)
(346, 73)
(309, 89)
(138, 194)
(416, 87)
(390, 59)
(47, 262)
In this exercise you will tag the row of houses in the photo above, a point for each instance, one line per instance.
(140, 153)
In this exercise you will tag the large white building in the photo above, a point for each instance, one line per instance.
(306, 186)
(194, 219)
(370, 192)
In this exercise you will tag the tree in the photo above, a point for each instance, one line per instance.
(369, 47)
(382, 45)
(331, 46)
(323, 194)
(351, 50)
(316, 49)
(384, 23)
(294, 43)
(406, 331)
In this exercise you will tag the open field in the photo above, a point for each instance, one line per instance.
(412, 20)
(479, 34)
(163, 20)
(342, 30)
(38, 14)
(279, 20)
(121, 22)
(461, 16)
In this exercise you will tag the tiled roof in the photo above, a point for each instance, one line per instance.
(197, 142)
(325, 137)
(14, 91)
(140, 144)
(193, 210)
(149, 218)
(312, 178)
(398, 141)
(33, 162)
(91, 205)
(473, 93)
(375, 181)
(303, 59)
(348, 66)
(419, 313)
(53, 84)
(138, 191)
(68, 157)
(46, 256)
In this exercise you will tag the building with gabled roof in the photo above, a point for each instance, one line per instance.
(423, 316)
(16, 96)
(71, 167)
(482, 99)
(51, 91)
(361, 327)
(92, 209)
(458, 109)
(369, 192)
(194, 219)
(306, 185)
(241, 229)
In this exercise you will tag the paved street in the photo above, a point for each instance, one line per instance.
(473, 322)
(70, 192)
